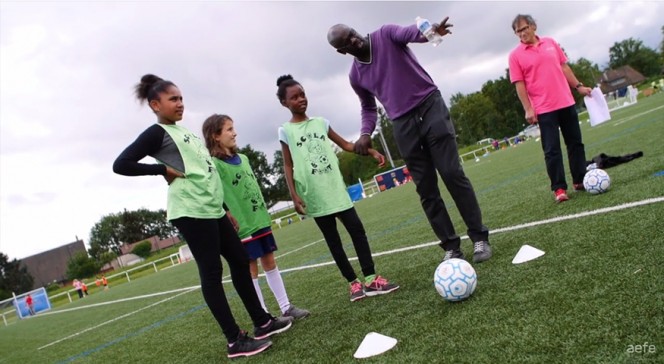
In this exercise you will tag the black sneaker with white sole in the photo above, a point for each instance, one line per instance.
(275, 326)
(245, 345)
(296, 312)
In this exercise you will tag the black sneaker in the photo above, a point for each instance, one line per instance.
(379, 286)
(482, 251)
(296, 312)
(457, 253)
(247, 346)
(276, 325)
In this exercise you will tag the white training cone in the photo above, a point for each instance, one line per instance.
(374, 344)
(527, 253)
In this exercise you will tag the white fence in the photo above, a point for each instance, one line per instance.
(288, 219)
(615, 102)
(173, 258)
(477, 153)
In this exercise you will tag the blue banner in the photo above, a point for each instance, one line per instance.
(392, 178)
(355, 192)
(40, 302)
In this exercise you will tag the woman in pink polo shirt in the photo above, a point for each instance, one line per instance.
(543, 79)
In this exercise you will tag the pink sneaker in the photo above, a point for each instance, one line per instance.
(356, 291)
(561, 195)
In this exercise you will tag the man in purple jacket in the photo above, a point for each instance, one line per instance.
(384, 68)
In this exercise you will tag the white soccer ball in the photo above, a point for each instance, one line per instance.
(455, 279)
(596, 181)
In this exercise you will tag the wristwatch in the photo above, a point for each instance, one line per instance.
(578, 85)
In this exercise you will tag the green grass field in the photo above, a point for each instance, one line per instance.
(597, 296)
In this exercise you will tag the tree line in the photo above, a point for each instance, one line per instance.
(495, 110)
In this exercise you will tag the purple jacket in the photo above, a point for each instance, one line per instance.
(393, 75)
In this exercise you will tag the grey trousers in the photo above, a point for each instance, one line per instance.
(426, 140)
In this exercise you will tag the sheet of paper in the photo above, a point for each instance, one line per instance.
(597, 108)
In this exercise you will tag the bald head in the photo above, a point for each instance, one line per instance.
(337, 34)
(348, 41)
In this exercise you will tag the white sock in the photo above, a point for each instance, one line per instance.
(277, 286)
(257, 287)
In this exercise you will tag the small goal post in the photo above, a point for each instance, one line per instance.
(40, 303)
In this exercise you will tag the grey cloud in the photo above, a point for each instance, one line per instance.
(70, 99)
(34, 199)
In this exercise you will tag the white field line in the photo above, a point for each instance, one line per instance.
(471, 163)
(121, 300)
(495, 231)
(277, 257)
(582, 214)
(117, 318)
(300, 248)
(624, 120)
(505, 229)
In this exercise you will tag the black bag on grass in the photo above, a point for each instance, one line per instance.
(604, 161)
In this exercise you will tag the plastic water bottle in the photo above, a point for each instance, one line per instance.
(425, 27)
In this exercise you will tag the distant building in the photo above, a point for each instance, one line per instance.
(156, 243)
(51, 265)
(618, 79)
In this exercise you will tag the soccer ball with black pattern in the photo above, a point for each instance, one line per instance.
(596, 181)
(455, 279)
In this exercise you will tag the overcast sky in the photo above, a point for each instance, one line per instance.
(68, 68)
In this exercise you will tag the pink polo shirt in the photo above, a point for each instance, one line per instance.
(540, 68)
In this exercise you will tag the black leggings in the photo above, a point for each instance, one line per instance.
(352, 223)
(207, 239)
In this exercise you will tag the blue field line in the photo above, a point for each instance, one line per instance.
(449, 206)
(393, 228)
(416, 219)
(525, 173)
(505, 182)
(136, 333)
(621, 134)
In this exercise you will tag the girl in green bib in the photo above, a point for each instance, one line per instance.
(318, 190)
(195, 199)
(243, 197)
